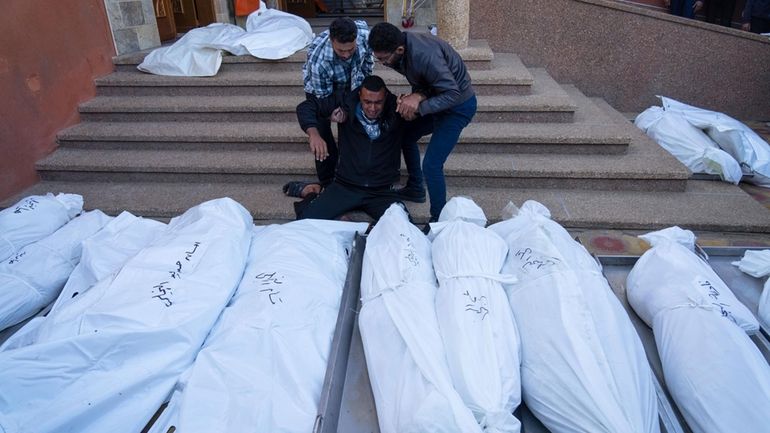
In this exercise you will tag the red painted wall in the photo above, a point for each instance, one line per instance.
(50, 53)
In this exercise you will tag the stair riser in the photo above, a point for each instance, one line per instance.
(301, 146)
(546, 182)
(253, 67)
(290, 116)
(275, 90)
(283, 66)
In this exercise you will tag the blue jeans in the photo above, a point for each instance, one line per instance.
(446, 127)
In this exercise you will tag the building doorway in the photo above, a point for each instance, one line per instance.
(180, 16)
(334, 8)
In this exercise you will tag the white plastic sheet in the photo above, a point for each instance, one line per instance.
(482, 344)
(271, 34)
(103, 254)
(690, 145)
(731, 135)
(757, 264)
(715, 374)
(196, 54)
(34, 218)
(404, 352)
(583, 366)
(116, 353)
(33, 277)
(262, 367)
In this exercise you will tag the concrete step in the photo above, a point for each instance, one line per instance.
(593, 132)
(547, 103)
(636, 171)
(703, 205)
(508, 76)
(478, 56)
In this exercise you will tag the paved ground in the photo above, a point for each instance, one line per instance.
(614, 242)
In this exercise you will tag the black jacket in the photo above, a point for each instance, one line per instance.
(436, 70)
(362, 162)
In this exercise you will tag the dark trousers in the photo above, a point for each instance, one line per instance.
(337, 199)
(760, 25)
(326, 168)
(683, 8)
(446, 127)
(720, 12)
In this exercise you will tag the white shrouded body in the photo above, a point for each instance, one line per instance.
(583, 366)
(127, 339)
(715, 374)
(262, 367)
(404, 352)
(34, 218)
(475, 320)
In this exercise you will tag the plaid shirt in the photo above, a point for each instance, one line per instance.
(324, 71)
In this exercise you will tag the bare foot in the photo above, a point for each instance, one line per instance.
(311, 188)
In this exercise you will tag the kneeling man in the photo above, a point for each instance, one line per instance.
(370, 135)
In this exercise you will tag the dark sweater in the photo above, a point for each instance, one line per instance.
(363, 162)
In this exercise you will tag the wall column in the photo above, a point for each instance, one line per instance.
(453, 22)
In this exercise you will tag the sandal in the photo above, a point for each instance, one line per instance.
(295, 188)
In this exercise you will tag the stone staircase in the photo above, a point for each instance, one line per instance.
(156, 146)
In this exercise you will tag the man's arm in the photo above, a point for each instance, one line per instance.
(319, 80)
(308, 113)
(362, 39)
(444, 85)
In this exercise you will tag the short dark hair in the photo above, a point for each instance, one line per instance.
(373, 83)
(343, 30)
(384, 37)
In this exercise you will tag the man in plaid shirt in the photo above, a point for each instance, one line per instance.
(338, 60)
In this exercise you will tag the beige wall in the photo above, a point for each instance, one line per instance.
(629, 54)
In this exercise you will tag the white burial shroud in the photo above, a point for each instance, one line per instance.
(689, 144)
(34, 218)
(34, 276)
(262, 367)
(270, 34)
(757, 264)
(116, 360)
(735, 138)
(714, 372)
(583, 367)
(103, 255)
(404, 352)
(483, 348)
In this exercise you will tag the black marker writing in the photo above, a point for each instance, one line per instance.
(28, 205)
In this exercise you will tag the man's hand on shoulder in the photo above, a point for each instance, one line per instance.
(408, 106)
(317, 144)
(338, 115)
